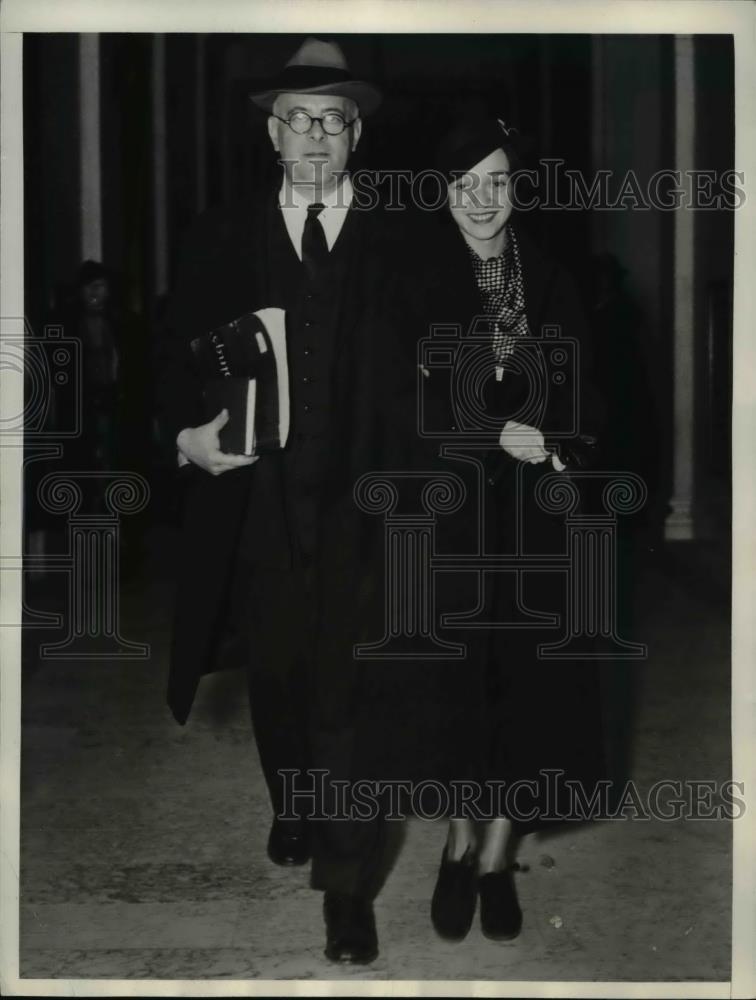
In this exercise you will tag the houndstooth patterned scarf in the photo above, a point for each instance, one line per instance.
(499, 280)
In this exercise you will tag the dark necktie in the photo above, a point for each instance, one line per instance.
(314, 246)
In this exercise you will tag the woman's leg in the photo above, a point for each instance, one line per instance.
(461, 756)
(499, 848)
(460, 839)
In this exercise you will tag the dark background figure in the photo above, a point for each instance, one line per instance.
(115, 386)
(104, 397)
(91, 317)
(115, 412)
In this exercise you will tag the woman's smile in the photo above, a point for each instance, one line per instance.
(481, 218)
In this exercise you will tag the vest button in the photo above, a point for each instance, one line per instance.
(306, 379)
(308, 323)
(307, 352)
(307, 407)
(490, 480)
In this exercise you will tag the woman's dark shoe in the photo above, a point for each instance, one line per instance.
(500, 913)
(455, 896)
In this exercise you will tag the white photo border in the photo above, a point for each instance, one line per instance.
(389, 16)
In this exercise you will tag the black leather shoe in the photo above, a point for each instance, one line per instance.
(289, 842)
(500, 914)
(351, 937)
(454, 898)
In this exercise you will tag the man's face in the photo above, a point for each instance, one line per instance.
(314, 160)
(479, 201)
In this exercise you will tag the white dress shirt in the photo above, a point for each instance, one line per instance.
(294, 208)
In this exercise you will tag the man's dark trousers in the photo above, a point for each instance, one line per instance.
(304, 721)
(304, 706)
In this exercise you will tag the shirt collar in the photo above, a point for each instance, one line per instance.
(294, 211)
(340, 199)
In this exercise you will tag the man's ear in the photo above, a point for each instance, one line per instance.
(273, 131)
(356, 132)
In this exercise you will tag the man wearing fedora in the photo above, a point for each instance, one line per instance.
(275, 542)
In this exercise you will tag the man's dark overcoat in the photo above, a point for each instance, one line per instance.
(223, 273)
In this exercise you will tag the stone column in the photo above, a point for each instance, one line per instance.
(89, 147)
(680, 524)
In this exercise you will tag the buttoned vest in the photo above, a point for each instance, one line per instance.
(313, 304)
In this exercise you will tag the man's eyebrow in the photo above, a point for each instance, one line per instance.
(324, 111)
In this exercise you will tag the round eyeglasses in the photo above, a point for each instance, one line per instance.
(300, 122)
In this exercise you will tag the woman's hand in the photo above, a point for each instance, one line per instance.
(201, 445)
(523, 442)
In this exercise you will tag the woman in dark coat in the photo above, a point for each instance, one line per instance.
(516, 715)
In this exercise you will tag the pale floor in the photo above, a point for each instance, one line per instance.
(143, 843)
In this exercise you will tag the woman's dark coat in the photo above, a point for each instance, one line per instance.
(510, 713)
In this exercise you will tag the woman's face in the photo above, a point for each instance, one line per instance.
(479, 200)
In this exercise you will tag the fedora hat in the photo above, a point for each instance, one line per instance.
(319, 67)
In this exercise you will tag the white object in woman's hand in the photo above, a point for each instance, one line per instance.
(523, 442)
